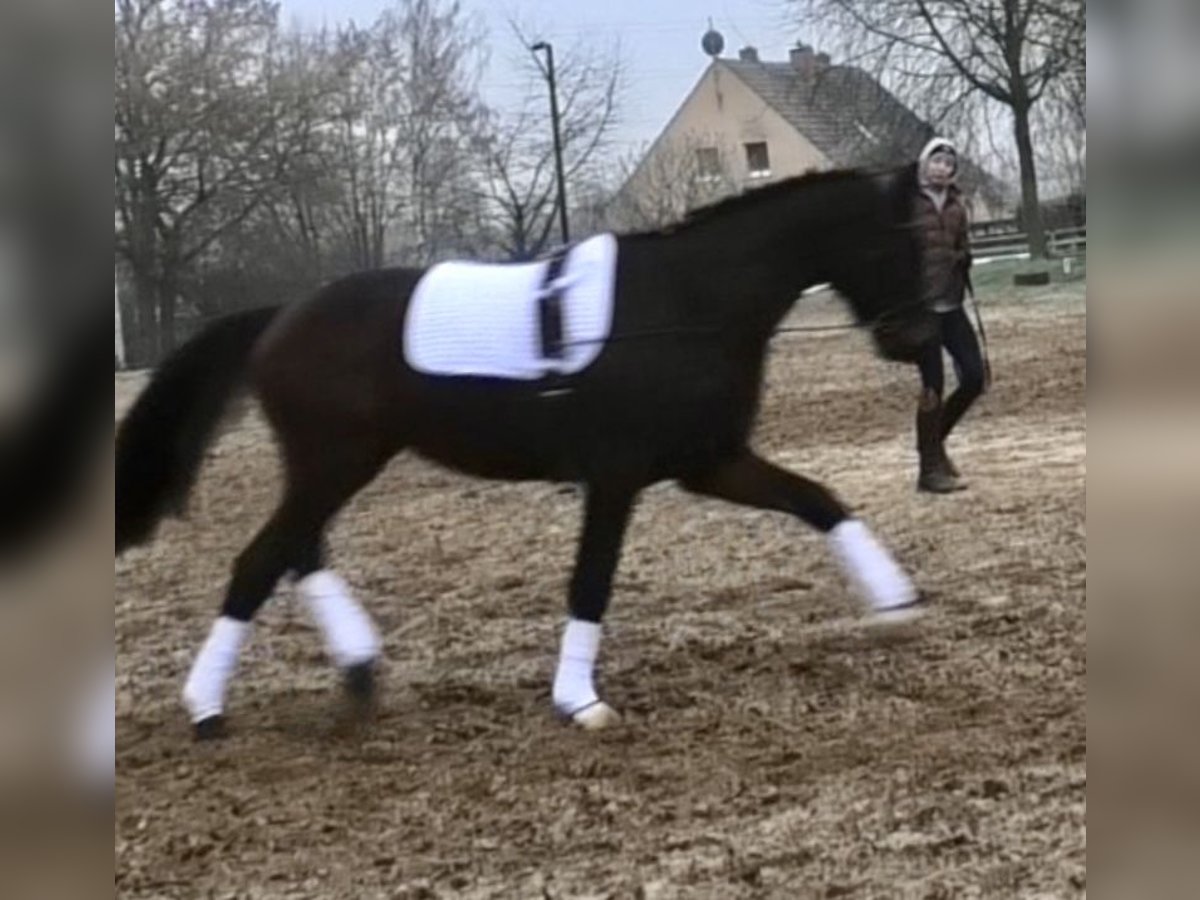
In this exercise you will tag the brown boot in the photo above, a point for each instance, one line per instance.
(936, 472)
(953, 411)
(949, 465)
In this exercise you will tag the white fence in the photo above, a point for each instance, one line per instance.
(1002, 240)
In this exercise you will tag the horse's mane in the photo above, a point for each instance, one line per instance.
(755, 195)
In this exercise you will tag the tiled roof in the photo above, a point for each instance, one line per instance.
(845, 112)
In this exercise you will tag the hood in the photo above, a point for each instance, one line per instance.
(938, 143)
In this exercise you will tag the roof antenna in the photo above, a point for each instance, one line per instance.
(713, 41)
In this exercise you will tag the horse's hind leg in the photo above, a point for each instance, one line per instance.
(750, 480)
(318, 485)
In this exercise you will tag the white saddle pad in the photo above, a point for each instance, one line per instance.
(478, 319)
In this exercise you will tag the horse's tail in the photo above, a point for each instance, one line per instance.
(161, 442)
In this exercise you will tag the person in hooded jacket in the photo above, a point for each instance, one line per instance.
(942, 224)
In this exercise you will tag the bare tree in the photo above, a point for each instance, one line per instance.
(196, 109)
(361, 149)
(299, 217)
(518, 150)
(1063, 118)
(400, 143)
(1062, 144)
(1069, 33)
(442, 114)
(289, 243)
(660, 185)
(381, 169)
(253, 162)
(942, 52)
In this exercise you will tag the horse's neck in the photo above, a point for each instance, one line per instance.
(756, 271)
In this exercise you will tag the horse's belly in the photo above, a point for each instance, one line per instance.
(668, 426)
(500, 440)
(486, 460)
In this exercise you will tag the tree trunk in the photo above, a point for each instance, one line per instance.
(143, 327)
(127, 331)
(1030, 206)
(167, 296)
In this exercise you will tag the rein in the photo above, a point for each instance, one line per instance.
(987, 361)
(703, 330)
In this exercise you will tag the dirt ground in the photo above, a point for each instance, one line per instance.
(771, 746)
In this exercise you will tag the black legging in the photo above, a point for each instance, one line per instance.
(958, 337)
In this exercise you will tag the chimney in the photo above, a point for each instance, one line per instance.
(803, 58)
(748, 54)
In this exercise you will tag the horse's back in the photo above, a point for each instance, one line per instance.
(334, 354)
(333, 365)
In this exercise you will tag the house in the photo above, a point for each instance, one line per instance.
(748, 122)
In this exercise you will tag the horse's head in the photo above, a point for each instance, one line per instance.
(875, 263)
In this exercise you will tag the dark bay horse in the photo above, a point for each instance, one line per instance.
(671, 395)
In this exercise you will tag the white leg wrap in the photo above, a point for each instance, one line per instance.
(350, 636)
(869, 566)
(573, 687)
(204, 691)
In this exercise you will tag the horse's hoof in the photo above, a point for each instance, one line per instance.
(211, 729)
(360, 682)
(596, 716)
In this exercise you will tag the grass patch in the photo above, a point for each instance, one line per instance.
(997, 277)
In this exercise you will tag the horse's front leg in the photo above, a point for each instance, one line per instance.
(750, 480)
(606, 516)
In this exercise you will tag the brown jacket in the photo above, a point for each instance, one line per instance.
(946, 249)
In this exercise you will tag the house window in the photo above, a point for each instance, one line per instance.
(708, 163)
(757, 159)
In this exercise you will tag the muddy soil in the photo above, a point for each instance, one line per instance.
(771, 745)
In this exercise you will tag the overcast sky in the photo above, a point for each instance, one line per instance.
(660, 42)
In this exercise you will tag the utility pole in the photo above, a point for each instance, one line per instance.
(548, 72)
